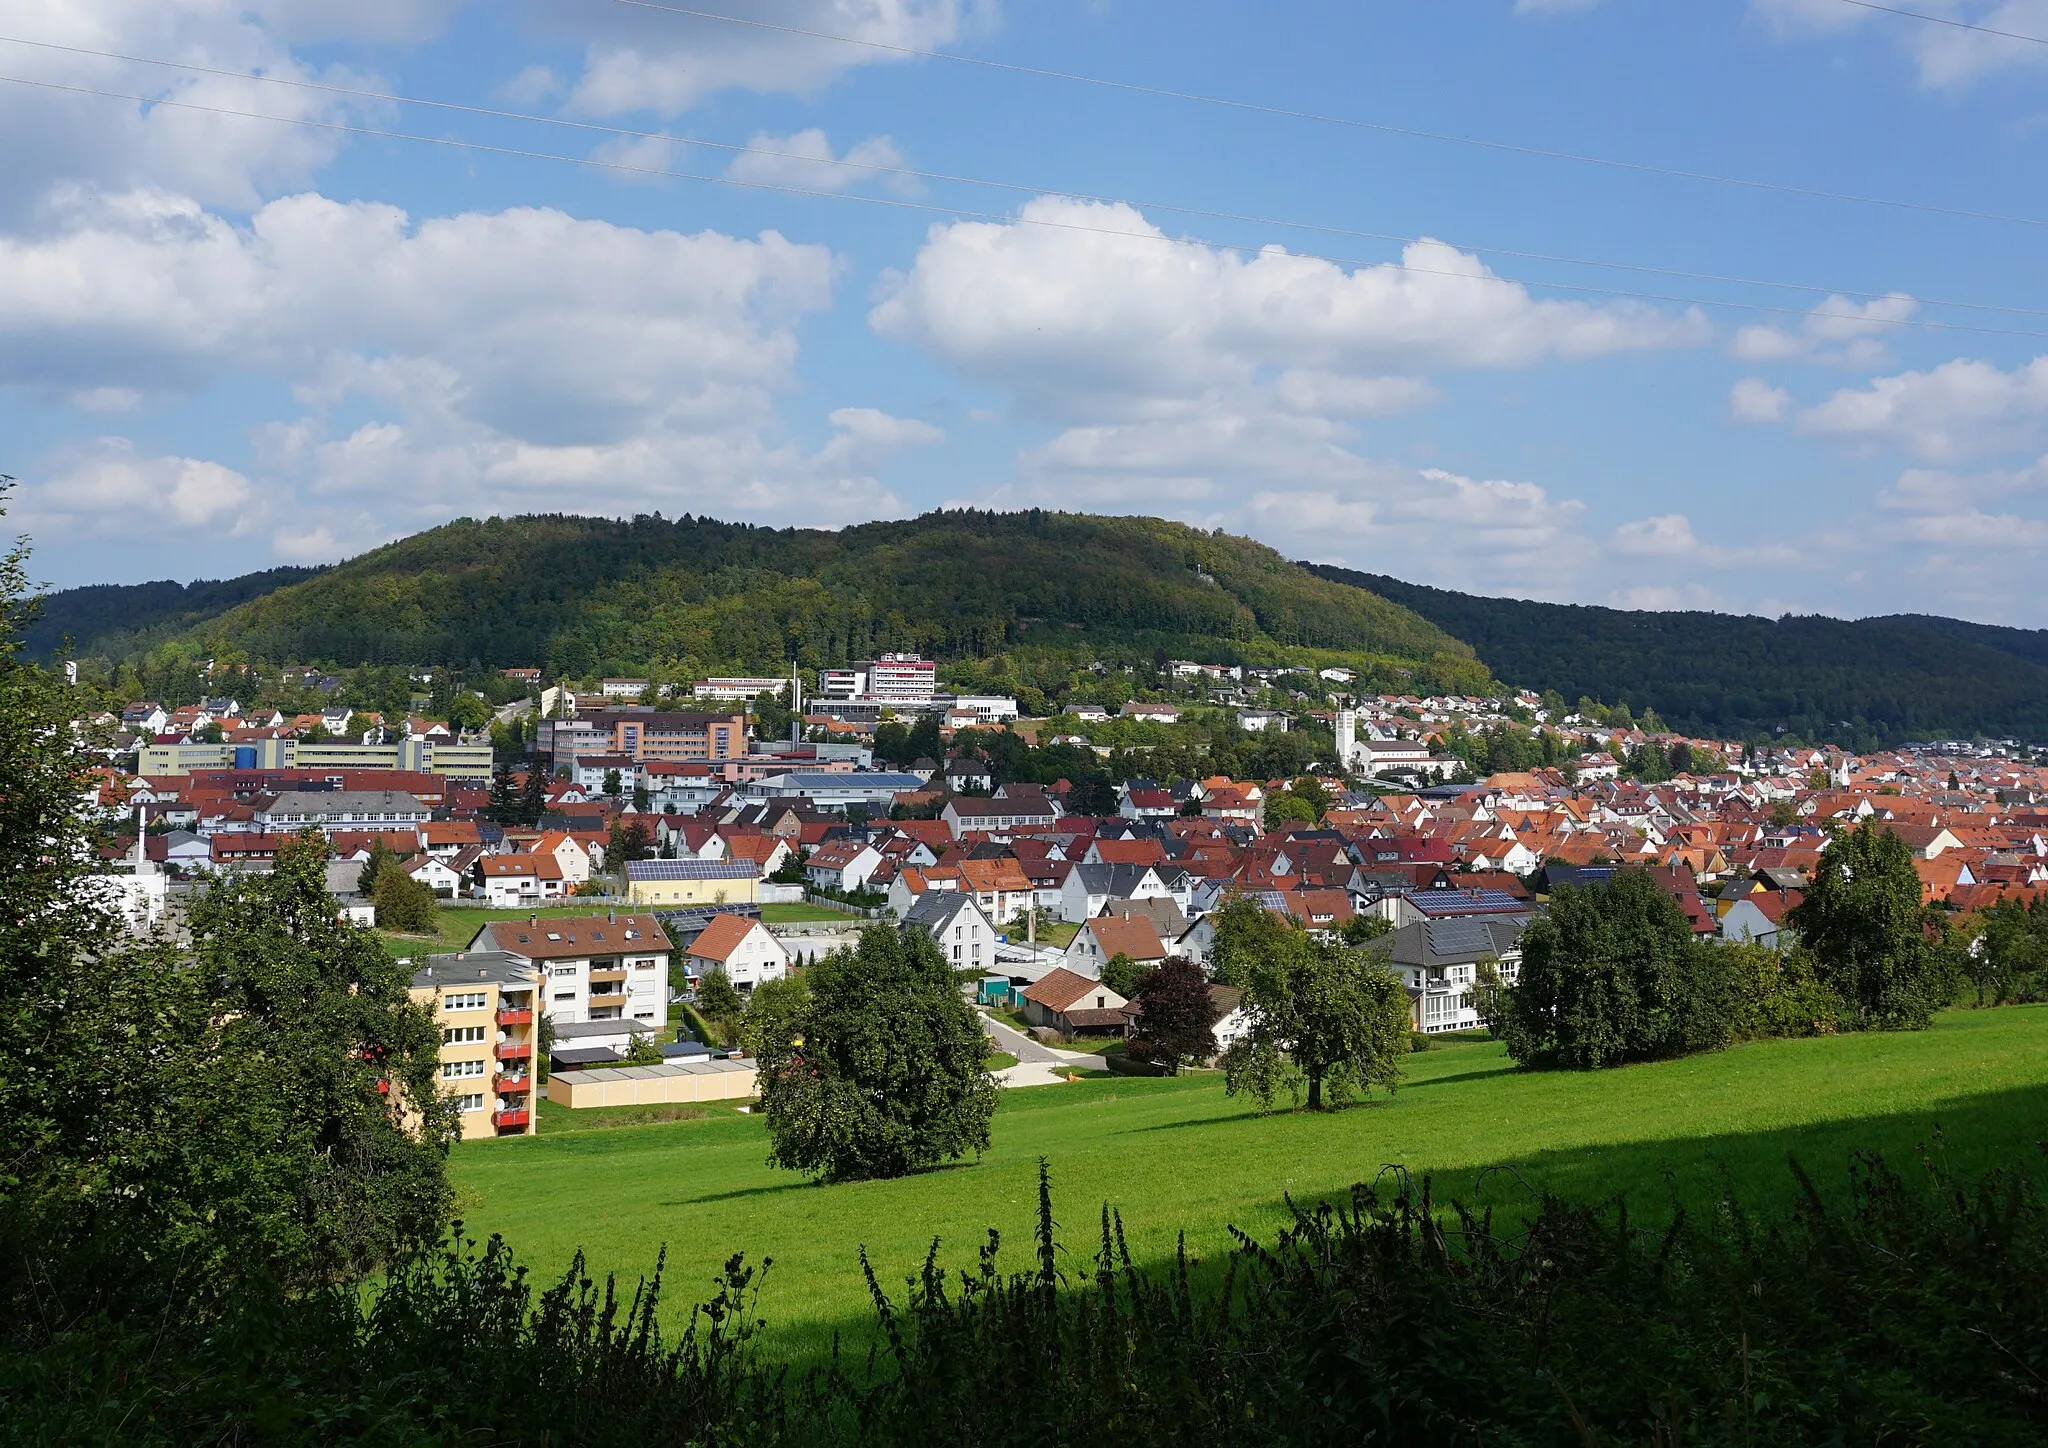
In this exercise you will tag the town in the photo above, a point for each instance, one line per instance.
(609, 850)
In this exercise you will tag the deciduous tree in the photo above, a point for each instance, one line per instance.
(1176, 1016)
(881, 1072)
(1320, 1016)
(1872, 937)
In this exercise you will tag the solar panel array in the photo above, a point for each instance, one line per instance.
(1458, 937)
(689, 870)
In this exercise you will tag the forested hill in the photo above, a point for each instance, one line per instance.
(687, 597)
(116, 618)
(1874, 680)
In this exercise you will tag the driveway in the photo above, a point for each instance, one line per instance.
(1037, 1062)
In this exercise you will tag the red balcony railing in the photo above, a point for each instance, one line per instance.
(513, 1085)
(514, 1016)
(504, 1119)
(514, 1050)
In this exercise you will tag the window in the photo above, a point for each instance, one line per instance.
(956, 952)
(456, 1070)
(462, 1035)
(564, 970)
(471, 1000)
(470, 1103)
(565, 995)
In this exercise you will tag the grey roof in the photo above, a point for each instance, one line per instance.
(329, 802)
(1450, 942)
(1117, 881)
(472, 967)
(583, 1055)
(690, 870)
(711, 1067)
(587, 1030)
(935, 909)
(822, 779)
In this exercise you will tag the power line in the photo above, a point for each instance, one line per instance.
(494, 113)
(1383, 127)
(1946, 20)
(1001, 219)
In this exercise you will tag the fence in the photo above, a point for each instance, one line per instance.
(828, 903)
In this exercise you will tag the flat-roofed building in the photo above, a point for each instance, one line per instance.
(483, 1004)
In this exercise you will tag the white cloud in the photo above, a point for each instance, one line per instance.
(104, 488)
(805, 160)
(506, 361)
(222, 160)
(1228, 391)
(1755, 400)
(1960, 409)
(1945, 55)
(1839, 332)
(643, 60)
(1087, 308)
(1670, 536)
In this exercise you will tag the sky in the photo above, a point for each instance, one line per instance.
(1736, 304)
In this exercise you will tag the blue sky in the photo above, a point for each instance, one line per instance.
(228, 342)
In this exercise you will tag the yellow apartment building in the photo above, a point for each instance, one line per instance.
(484, 1002)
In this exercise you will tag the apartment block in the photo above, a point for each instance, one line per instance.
(484, 1003)
(607, 967)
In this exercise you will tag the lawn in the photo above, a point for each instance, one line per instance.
(806, 915)
(1175, 1155)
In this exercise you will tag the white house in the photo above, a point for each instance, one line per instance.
(957, 925)
(435, 875)
(843, 864)
(740, 947)
(568, 853)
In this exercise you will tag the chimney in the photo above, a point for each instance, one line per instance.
(611, 917)
(533, 920)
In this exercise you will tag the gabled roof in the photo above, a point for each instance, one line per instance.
(1060, 988)
(722, 937)
(1130, 935)
(575, 936)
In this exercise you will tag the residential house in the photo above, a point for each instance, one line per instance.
(1105, 937)
(957, 925)
(507, 882)
(570, 855)
(1438, 960)
(741, 947)
(1074, 1005)
(341, 809)
(609, 967)
(843, 865)
(1089, 888)
(483, 1004)
(437, 875)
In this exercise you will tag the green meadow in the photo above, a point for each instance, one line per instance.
(1179, 1156)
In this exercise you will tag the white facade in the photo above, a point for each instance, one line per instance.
(757, 958)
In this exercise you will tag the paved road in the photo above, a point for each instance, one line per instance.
(1036, 1061)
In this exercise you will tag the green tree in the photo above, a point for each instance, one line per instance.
(774, 1012)
(1122, 974)
(1246, 932)
(533, 796)
(612, 783)
(1610, 973)
(467, 712)
(311, 1169)
(1319, 1015)
(404, 904)
(641, 1051)
(504, 806)
(717, 1002)
(1873, 939)
(627, 840)
(382, 858)
(2009, 960)
(881, 1073)
(1176, 1016)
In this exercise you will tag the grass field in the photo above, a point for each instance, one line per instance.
(1177, 1155)
(806, 915)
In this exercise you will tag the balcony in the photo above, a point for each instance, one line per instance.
(607, 998)
(609, 975)
(515, 1119)
(514, 1085)
(514, 1016)
(515, 1050)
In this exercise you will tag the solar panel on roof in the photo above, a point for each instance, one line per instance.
(1458, 937)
